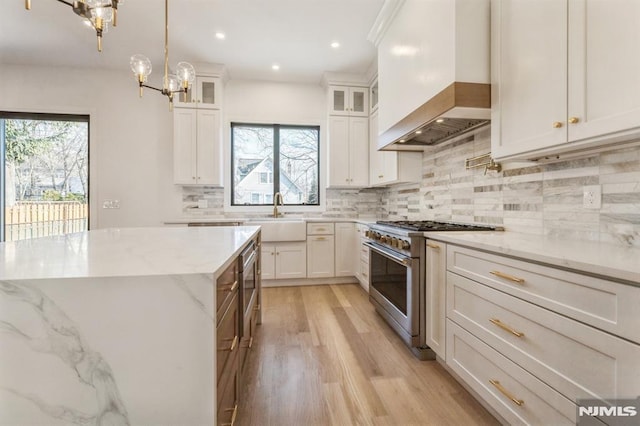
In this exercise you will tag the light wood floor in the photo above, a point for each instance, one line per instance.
(324, 357)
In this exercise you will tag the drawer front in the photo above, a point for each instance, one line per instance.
(320, 228)
(227, 340)
(575, 359)
(497, 380)
(607, 305)
(226, 288)
(228, 395)
(364, 253)
(248, 336)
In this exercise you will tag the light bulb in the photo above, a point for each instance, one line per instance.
(98, 10)
(173, 83)
(186, 73)
(141, 66)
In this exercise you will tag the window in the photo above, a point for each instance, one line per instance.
(44, 174)
(266, 159)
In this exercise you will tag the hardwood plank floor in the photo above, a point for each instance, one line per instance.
(323, 356)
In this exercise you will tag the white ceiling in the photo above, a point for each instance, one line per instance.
(296, 34)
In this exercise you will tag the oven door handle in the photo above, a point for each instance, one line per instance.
(406, 261)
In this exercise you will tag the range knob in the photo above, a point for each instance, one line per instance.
(395, 242)
(383, 239)
(405, 245)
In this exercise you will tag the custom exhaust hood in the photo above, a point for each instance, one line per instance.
(434, 76)
(458, 109)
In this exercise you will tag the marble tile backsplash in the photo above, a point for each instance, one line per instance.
(534, 199)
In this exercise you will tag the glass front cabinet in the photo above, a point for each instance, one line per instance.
(353, 101)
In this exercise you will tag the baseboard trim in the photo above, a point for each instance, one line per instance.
(309, 281)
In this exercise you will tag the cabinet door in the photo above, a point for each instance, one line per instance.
(291, 260)
(320, 256)
(436, 273)
(604, 68)
(268, 259)
(338, 151)
(338, 100)
(359, 101)
(529, 75)
(208, 92)
(346, 253)
(184, 146)
(358, 151)
(209, 148)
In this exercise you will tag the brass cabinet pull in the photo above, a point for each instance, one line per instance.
(256, 308)
(364, 274)
(250, 342)
(573, 120)
(506, 327)
(234, 343)
(230, 288)
(321, 229)
(507, 277)
(320, 238)
(233, 416)
(557, 124)
(380, 176)
(506, 393)
(433, 245)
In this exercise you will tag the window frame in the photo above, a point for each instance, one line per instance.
(275, 174)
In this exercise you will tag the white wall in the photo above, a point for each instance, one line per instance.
(130, 151)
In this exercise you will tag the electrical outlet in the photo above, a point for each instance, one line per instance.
(111, 204)
(592, 197)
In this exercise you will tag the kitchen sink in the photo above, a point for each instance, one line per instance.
(281, 229)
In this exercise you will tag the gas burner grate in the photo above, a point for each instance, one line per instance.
(429, 225)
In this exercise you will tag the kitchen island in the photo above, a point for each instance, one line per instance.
(113, 326)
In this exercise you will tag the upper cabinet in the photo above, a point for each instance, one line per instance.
(573, 86)
(352, 101)
(206, 93)
(373, 96)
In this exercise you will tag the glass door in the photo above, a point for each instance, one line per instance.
(45, 175)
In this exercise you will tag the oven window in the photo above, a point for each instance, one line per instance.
(390, 279)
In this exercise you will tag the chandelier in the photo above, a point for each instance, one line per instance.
(97, 14)
(175, 83)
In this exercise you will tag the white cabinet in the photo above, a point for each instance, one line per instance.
(532, 339)
(205, 93)
(320, 250)
(391, 167)
(348, 151)
(352, 101)
(373, 96)
(362, 254)
(592, 97)
(436, 303)
(320, 260)
(345, 256)
(284, 260)
(197, 147)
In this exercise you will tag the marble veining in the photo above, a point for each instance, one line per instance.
(63, 340)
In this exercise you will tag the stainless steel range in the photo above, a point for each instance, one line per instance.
(397, 275)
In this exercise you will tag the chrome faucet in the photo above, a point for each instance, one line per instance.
(275, 203)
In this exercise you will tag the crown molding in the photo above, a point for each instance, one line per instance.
(388, 11)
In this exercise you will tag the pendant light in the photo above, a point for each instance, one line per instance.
(179, 82)
(96, 13)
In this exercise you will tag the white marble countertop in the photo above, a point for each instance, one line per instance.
(248, 220)
(125, 252)
(608, 260)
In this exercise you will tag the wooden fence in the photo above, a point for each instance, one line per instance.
(34, 219)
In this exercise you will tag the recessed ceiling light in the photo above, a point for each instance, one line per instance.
(220, 36)
(275, 67)
(401, 141)
(440, 120)
(418, 132)
(335, 44)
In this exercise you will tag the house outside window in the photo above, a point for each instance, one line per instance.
(266, 159)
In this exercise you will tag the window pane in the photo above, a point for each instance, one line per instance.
(252, 159)
(46, 187)
(299, 165)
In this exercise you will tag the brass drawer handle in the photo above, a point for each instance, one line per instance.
(557, 124)
(233, 416)
(433, 245)
(364, 274)
(256, 308)
(321, 229)
(320, 238)
(234, 343)
(230, 288)
(508, 277)
(506, 327)
(250, 342)
(506, 393)
(573, 120)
